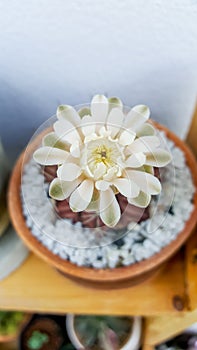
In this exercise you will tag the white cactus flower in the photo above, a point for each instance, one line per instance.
(101, 151)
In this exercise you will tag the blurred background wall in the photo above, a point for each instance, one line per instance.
(60, 51)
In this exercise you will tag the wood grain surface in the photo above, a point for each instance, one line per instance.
(38, 287)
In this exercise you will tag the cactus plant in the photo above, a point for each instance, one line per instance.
(37, 340)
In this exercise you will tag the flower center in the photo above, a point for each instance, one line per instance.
(100, 156)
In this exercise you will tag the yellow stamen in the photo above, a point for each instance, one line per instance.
(102, 154)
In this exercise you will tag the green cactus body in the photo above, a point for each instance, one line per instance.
(37, 340)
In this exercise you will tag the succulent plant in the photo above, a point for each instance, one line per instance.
(105, 331)
(37, 340)
(10, 321)
(101, 151)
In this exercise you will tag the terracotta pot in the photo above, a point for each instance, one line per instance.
(43, 324)
(13, 337)
(133, 341)
(104, 277)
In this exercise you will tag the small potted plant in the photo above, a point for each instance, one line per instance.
(101, 195)
(104, 332)
(42, 333)
(37, 340)
(11, 323)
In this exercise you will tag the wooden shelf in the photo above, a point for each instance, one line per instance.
(160, 328)
(191, 271)
(35, 286)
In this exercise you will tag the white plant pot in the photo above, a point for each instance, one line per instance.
(12, 252)
(133, 342)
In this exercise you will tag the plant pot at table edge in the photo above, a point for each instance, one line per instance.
(132, 274)
(39, 318)
(13, 337)
(132, 343)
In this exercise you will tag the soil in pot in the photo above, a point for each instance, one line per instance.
(42, 334)
(93, 332)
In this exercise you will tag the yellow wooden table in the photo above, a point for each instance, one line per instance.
(38, 287)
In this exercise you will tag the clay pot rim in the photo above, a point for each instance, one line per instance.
(87, 273)
(132, 343)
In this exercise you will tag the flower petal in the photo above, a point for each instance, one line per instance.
(146, 130)
(115, 117)
(84, 111)
(66, 131)
(146, 182)
(75, 149)
(100, 170)
(68, 171)
(90, 137)
(115, 121)
(137, 116)
(109, 208)
(110, 174)
(126, 187)
(115, 102)
(61, 190)
(147, 168)
(99, 108)
(68, 113)
(144, 144)
(158, 158)
(142, 200)
(104, 132)
(102, 185)
(127, 137)
(81, 197)
(94, 204)
(52, 140)
(50, 156)
(87, 125)
(136, 160)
